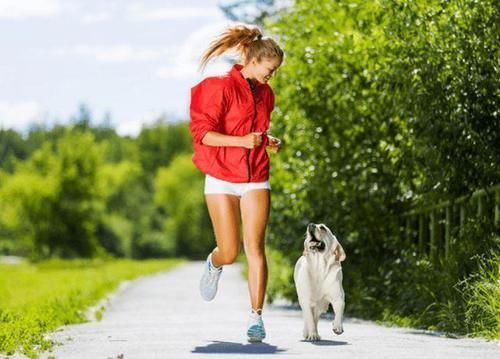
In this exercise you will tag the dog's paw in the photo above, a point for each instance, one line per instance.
(338, 331)
(312, 337)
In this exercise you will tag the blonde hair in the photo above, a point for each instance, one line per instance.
(245, 39)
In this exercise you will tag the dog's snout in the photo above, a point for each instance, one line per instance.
(310, 227)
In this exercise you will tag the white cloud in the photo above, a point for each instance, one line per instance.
(93, 18)
(186, 63)
(132, 127)
(115, 53)
(137, 12)
(21, 9)
(19, 115)
(177, 71)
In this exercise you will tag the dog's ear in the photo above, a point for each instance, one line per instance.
(306, 250)
(339, 252)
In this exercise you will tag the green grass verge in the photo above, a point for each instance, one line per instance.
(38, 298)
(482, 297)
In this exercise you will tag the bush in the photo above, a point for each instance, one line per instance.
(380, 104)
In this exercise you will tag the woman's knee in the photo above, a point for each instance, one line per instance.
(255, 251)
(227, 256)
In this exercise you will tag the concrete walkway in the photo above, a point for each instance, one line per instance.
(163, 316)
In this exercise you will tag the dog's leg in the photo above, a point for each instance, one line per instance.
(316, 314)
(338, 308)
(310, 324)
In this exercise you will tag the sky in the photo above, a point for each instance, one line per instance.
(134, 60)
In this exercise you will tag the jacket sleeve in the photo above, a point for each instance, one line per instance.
(271, 106)
(208, 105)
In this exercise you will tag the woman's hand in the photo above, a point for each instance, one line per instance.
(274, 144)
(252, 140)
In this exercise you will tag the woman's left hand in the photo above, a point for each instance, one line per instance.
(274, 143)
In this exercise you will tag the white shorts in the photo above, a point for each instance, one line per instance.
(214, 185)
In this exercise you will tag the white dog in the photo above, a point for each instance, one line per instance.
(318, 279)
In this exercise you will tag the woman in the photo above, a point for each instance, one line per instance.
(229, 121)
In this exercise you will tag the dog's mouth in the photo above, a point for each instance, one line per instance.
(315, 243)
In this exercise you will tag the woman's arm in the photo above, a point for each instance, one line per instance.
(252, 140)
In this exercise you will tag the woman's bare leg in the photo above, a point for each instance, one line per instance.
(254, 206)
(224, 212)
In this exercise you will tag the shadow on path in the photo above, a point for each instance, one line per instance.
(325, 343)
(432, 333)
(229, 347)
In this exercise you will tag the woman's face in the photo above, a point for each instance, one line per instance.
(263, 70)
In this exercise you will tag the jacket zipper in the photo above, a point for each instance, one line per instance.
(251, 130)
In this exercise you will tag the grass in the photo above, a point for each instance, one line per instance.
(482, 296)
(481, 302)
(38, 298)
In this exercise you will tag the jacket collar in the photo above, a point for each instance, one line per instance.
(238, 76)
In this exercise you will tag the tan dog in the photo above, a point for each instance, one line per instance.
(318, 279)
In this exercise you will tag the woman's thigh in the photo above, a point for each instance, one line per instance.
(224, 211)
(254, 206)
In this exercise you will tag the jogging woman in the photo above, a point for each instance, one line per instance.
(230, 117)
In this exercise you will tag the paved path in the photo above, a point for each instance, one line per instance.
(163, 316)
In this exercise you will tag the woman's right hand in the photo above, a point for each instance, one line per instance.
(252, 140)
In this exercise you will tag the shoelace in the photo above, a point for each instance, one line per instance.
(213, 273)
(256, 321)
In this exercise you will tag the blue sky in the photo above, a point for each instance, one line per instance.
(134, 59)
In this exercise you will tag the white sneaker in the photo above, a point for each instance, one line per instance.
(256, 332)
(209, 280)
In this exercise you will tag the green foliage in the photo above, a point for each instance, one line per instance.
(37, 299)
(251, 11)
(481, 291)
(341, 161)
(448, 54)
(123, 190)
(82, 190)
(114, 233)
(280, 276)
(160, 143)
(53, 198)
(380, 104)
(445, 295)
(24, 198)
(78, 202)
(11, 148)
(179, 191)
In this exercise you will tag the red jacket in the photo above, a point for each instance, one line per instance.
(226, 104)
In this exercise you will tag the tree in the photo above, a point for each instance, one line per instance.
(253, 11)
(161, 142)
(54, 200)
(179, 190)
(12, 148)
(123, 192)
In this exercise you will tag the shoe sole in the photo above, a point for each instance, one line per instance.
(255, 340)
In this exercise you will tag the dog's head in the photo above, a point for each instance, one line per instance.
(319, 239)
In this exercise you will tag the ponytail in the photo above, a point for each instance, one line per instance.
(247, 40)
